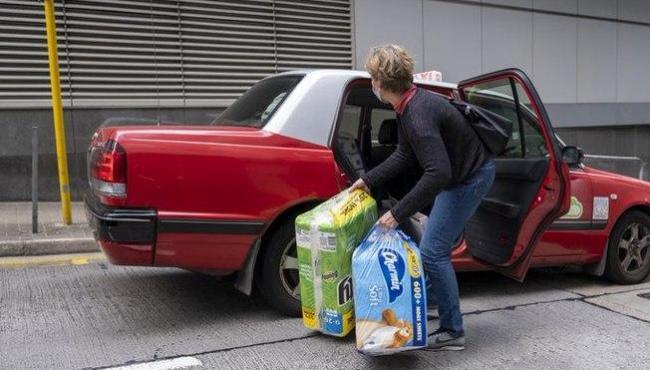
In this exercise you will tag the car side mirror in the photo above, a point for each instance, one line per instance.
(572, 155)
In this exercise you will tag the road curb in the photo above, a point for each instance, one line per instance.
(51, 260)
(39, 247)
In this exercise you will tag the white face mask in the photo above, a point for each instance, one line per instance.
(377, 92)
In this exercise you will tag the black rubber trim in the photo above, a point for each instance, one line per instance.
(193, 226)
(120, 225)
(578, 225)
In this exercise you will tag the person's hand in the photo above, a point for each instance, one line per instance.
(360, 184)
(387, 221)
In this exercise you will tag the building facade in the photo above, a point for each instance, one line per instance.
(164, 61)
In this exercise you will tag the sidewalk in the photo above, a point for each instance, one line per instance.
(16, 238)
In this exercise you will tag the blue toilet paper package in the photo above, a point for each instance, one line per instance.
(389, 293)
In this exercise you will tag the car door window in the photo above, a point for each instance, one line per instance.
(350, 122)
(535, 145)
(347, 144)
(507, 98)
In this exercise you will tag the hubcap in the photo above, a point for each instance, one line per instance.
(289, 270)
(633, 248)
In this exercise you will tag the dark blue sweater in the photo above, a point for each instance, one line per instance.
(435, 134)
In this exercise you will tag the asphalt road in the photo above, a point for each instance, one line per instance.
(99, 315)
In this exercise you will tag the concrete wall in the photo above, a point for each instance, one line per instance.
(589, 59)
(629, 141)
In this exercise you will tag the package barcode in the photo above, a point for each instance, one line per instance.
(328, 241)
(302, 238)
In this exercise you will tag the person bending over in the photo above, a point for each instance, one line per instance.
(458, 172)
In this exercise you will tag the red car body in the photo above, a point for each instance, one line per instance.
(205, 197)
(251, 175)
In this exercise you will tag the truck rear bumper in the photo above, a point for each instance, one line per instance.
(126, 236)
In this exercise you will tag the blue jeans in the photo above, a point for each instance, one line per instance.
(451, 211)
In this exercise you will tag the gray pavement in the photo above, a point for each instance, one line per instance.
(99, 315)
(16, 238)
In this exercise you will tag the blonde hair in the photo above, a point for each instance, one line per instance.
(392, 66)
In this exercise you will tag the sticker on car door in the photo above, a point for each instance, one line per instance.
(575, 212)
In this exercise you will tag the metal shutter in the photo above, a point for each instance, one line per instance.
(227, 46)
(122, 52)
(24, 76)
(165, 53)
(313, 34)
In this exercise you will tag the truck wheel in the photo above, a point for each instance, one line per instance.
(277, 279)
(628, 254)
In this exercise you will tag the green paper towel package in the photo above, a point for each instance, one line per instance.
(326, 236)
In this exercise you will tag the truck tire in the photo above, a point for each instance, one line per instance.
(628, 252)
(277, 278)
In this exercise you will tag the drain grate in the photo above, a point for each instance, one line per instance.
(644, 295)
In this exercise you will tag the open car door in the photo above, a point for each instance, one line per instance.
(531, 187)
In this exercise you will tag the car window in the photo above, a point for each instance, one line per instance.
(377, 117)
(535, 145)
(257, 105)
(500, 96)
(350, 121)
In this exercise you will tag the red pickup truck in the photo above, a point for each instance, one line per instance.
(222, 198)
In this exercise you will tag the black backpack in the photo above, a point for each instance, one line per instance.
(493, 129)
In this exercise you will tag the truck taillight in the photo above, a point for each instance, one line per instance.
(107, 170)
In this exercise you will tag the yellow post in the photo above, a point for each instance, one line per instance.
(57, 110)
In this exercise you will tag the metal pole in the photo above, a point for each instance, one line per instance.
(57, 110)
(34, 179)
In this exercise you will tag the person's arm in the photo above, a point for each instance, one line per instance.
(428, 147)
(393, 165)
